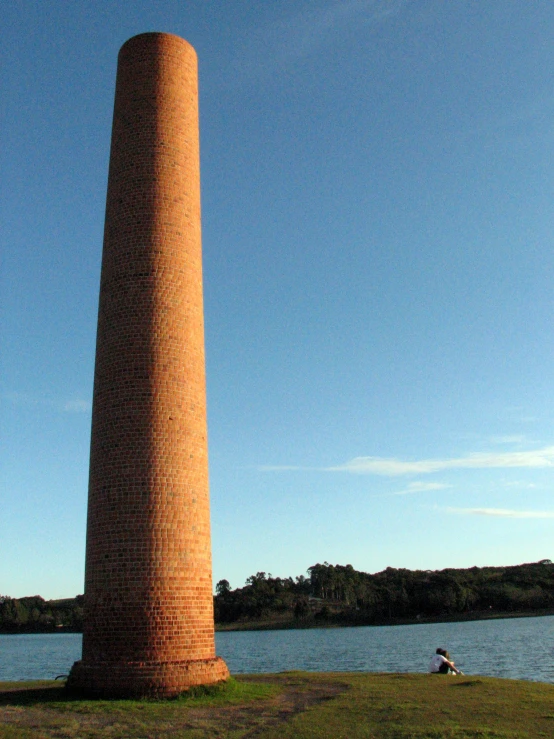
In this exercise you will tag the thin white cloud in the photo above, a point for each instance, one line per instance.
(301, 34)
(391, 467)
(498, 512)
(422, 487)
(77, 406)
(26, 399)
(280, 468)
(307, 31)
(508, 439)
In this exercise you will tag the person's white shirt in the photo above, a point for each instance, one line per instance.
(437, 660)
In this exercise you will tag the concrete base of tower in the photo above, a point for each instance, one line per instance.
(144, 679)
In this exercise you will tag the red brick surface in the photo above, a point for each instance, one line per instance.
(148, 587)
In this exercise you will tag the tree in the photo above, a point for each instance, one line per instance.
(223, 588)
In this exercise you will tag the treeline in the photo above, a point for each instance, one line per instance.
(340, 594)
(34, 614)
(336, 594)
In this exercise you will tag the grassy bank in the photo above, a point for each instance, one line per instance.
(293, 706)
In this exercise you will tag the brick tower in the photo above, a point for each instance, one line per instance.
(149, 628)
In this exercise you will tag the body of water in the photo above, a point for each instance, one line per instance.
(521, 648)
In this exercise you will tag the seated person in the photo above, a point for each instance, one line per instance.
(441, 662)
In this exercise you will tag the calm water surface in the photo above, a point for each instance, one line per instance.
(515, 648)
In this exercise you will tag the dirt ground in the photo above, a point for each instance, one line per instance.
(297, 696)
(42, 712)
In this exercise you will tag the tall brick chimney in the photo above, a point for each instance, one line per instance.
(149, 628)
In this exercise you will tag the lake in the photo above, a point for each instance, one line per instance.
(514, 648)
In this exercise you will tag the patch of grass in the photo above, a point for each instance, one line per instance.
(26, 693)
(12, 732)
(43, 710)
(29, 684)
(229, 692)
(427, 707)
(293, 705)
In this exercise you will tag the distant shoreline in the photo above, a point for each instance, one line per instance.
(268, 625)
(335, 596)
(287, 625)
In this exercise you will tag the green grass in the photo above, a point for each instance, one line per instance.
(295, 705)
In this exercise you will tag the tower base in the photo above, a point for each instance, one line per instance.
(144, 679)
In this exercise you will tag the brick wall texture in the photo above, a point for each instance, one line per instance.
(149, 626)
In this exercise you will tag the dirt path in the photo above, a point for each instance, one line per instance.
(43, 712)
(297, 696)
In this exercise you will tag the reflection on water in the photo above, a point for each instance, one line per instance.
(515, 648)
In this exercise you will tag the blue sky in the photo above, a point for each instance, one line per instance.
(378, 212)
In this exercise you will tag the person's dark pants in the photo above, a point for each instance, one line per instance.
(444, 669)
